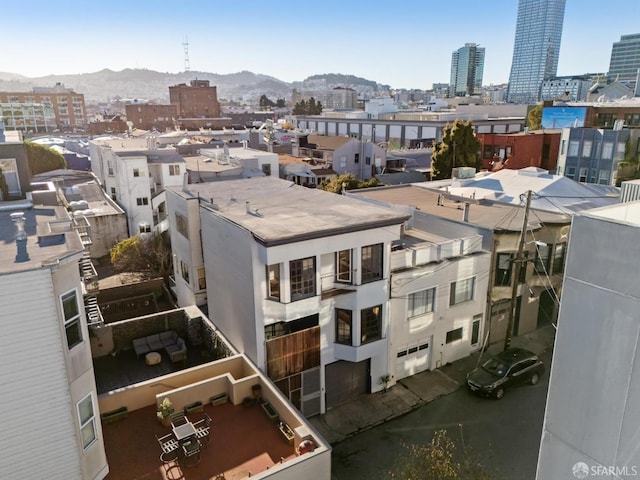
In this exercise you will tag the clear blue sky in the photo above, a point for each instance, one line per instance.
(405, 44)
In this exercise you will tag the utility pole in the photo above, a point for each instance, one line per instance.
(517, 265)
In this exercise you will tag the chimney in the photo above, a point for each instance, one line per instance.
(21, 237)
(465, 212)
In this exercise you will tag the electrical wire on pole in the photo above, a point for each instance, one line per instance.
(517, 265)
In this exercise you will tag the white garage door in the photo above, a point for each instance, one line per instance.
(413, 359)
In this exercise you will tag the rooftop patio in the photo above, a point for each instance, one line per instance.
(243, 442)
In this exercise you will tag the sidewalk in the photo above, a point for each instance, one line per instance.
(412, 392)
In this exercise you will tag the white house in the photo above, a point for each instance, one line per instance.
(438, 296)
(297, 279)
(45, 353)
(135, 172)
(592, 421)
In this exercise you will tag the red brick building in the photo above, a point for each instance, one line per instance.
(152, 117)
(197, 100)
(519, 150)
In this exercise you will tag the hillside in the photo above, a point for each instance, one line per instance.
(153, 85)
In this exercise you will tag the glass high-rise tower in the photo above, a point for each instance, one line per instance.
(467, 67)
(625, 58)
(536, 48)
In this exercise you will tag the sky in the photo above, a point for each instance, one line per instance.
(404, 44)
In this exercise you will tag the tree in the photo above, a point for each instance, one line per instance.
(459, 148)
(349, 181)
(310, 107)
(149, 255)
(534, 117)
(438, 460)
(280, 103)
(266, 102)
(43, 159)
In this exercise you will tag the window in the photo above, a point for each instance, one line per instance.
(371, 324)
(541, 264)
(142, 201)
(607, 150)
(563, 147)
(181, 225)
(586, 148)
(343, 263)
(583, 174)
(571, 171)
(202, 279)
(454, 335)
(184, 270)
(273, 281)
(367, 160)
(371, 263)
(574, 145)
(302, 274)
(343, 326)
(475, 329)
(136, 172)
(462, 291)
(559, 252)
(144, 228)
(86, 419)
(356, 158)
(114, 195)
(603, 179)
(266, 169)
(503, 269)
(109, 168)
(421, 302)
(71, 312)
(174, 170)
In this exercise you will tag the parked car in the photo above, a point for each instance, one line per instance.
(507, 369)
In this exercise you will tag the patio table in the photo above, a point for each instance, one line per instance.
(184, 431)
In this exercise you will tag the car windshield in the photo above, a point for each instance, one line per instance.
(495, 367)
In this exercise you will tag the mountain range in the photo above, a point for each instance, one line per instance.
(154, 86)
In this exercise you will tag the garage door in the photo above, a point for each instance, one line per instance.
(412, 360)
(345, 381)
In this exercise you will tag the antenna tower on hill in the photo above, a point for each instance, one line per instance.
(185, 44)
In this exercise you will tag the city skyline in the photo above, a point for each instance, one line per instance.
(407, 48)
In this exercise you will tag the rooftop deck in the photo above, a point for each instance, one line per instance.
(243, 442)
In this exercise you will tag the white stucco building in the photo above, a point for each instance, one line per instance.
(296, 278)
(438, 296)
(135, 172)
(591, 421)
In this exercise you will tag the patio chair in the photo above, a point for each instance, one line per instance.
(178, 418)
(169, 446)
(203, 430)
(190, 452)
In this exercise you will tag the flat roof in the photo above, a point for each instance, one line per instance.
(494, 216)
(283, 212)
(45, 243)
(202, 163)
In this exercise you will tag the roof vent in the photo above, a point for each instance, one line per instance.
(21, 237)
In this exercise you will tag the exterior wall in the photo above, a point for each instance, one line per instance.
(406, 133)
(106, 231)
(152, 117)
(131, 188)
(566, 89)
(593, 389)
(591, 155)
(69, 108)
(532, 150)
(18, 153)
(432, 327)
(197, 100)
(186, 250)
(38, 365)
(229, 257)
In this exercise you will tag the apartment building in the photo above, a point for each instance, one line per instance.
(135, 173)
(295, 278)
(196, 100)
(152, 117)
(45, 351)
(31, 111)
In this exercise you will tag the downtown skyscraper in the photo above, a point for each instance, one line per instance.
(536, 48)
(467, 67)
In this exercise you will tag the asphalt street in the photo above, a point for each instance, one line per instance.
(502, 435)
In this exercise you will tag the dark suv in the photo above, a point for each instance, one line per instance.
(512, 367)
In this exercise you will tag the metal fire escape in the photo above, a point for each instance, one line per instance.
(88, 273)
